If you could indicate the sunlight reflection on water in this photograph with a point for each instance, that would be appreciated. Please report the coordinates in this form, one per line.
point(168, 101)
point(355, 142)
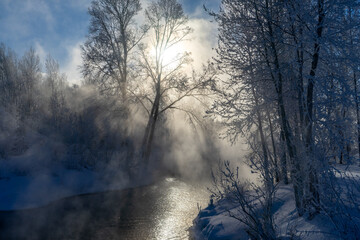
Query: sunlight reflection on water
point(178, 207)
point(161, 211)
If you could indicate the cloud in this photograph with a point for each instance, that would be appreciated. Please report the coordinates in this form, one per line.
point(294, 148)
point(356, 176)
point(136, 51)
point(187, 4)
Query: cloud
point(79, 3)
point(40, 51)
point(71, 67)
point(40, 7)
point(23, 14)
point(41, 23)
point(203, 40)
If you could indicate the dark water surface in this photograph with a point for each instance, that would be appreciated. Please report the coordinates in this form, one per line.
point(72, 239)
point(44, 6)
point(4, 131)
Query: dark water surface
point(160, 211)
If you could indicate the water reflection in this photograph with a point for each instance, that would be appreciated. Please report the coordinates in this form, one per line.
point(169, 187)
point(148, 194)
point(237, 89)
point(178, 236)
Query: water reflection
point(180, 202)
point(161, 211)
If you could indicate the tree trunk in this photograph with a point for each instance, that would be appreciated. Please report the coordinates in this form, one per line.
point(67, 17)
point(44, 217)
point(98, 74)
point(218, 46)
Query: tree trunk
point(314, 198)
point(277, 175)
point(296, 172)
point(285, 126)
point(283, 159)
point(267, 175)
point(150, 128)
point(357, 111)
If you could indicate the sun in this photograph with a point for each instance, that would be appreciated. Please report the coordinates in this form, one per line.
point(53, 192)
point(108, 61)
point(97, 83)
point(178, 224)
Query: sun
point(170, 57)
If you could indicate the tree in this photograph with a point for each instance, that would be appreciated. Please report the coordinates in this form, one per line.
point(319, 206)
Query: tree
point(113, 36)
point(55, 83)
point(248, 53)
point(169, 85)
point(9, 88)
point(28, 81)
point(289, 42)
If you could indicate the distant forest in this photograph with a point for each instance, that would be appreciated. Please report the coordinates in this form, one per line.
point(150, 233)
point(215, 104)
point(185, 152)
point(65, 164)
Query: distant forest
point(121, 114)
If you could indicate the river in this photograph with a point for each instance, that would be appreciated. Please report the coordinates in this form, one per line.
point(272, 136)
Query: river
point(164, 210)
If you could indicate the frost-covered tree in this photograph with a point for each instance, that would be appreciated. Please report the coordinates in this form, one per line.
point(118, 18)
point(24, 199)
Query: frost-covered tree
point(28, 82)
point(8, 77)
point(55, 83)
point(108, 51)
point(289, 52)
point(167, 85)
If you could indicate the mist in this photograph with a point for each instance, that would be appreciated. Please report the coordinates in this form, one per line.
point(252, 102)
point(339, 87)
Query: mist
point(100, 147)
point(175, 119)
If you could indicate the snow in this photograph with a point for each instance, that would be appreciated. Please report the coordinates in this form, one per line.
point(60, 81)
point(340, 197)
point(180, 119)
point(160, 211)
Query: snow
point(39, 189)
point(214, 221)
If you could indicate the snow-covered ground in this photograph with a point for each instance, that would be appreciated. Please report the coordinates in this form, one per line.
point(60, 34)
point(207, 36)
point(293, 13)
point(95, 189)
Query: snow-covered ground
point(215, 222)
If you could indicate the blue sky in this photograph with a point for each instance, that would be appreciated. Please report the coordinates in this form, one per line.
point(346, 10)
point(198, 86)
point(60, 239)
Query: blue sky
point(58, 27)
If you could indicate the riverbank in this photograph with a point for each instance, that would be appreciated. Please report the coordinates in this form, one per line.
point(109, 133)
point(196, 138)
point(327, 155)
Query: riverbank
point(215, 222)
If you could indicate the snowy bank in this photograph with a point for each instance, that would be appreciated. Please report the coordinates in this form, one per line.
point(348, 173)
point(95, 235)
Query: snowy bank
point(217, 221)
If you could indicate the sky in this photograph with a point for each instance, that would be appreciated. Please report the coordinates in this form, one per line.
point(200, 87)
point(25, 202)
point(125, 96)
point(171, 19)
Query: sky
point(59, 27)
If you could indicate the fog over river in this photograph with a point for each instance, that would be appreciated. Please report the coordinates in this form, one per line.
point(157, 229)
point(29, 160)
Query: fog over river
point(163, 210)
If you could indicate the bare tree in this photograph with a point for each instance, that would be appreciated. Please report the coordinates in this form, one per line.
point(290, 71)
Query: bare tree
point(28, 81)
point(113, 36)
point(55, 83)
point(8, 77)
point(169, 85)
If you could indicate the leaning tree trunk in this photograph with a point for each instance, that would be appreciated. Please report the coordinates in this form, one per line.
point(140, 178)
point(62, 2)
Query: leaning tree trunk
point(150, 128)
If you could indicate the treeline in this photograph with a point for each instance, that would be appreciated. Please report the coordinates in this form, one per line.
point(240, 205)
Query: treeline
point(292, 92)
point(45, 122)
point(142, 64)
point(136, 81)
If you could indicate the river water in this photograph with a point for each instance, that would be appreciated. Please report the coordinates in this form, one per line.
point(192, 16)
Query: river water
point(164, 210)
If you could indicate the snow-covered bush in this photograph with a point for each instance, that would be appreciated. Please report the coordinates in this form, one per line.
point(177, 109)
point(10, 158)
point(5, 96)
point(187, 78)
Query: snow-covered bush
point(341, 190)
point(255, 203)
